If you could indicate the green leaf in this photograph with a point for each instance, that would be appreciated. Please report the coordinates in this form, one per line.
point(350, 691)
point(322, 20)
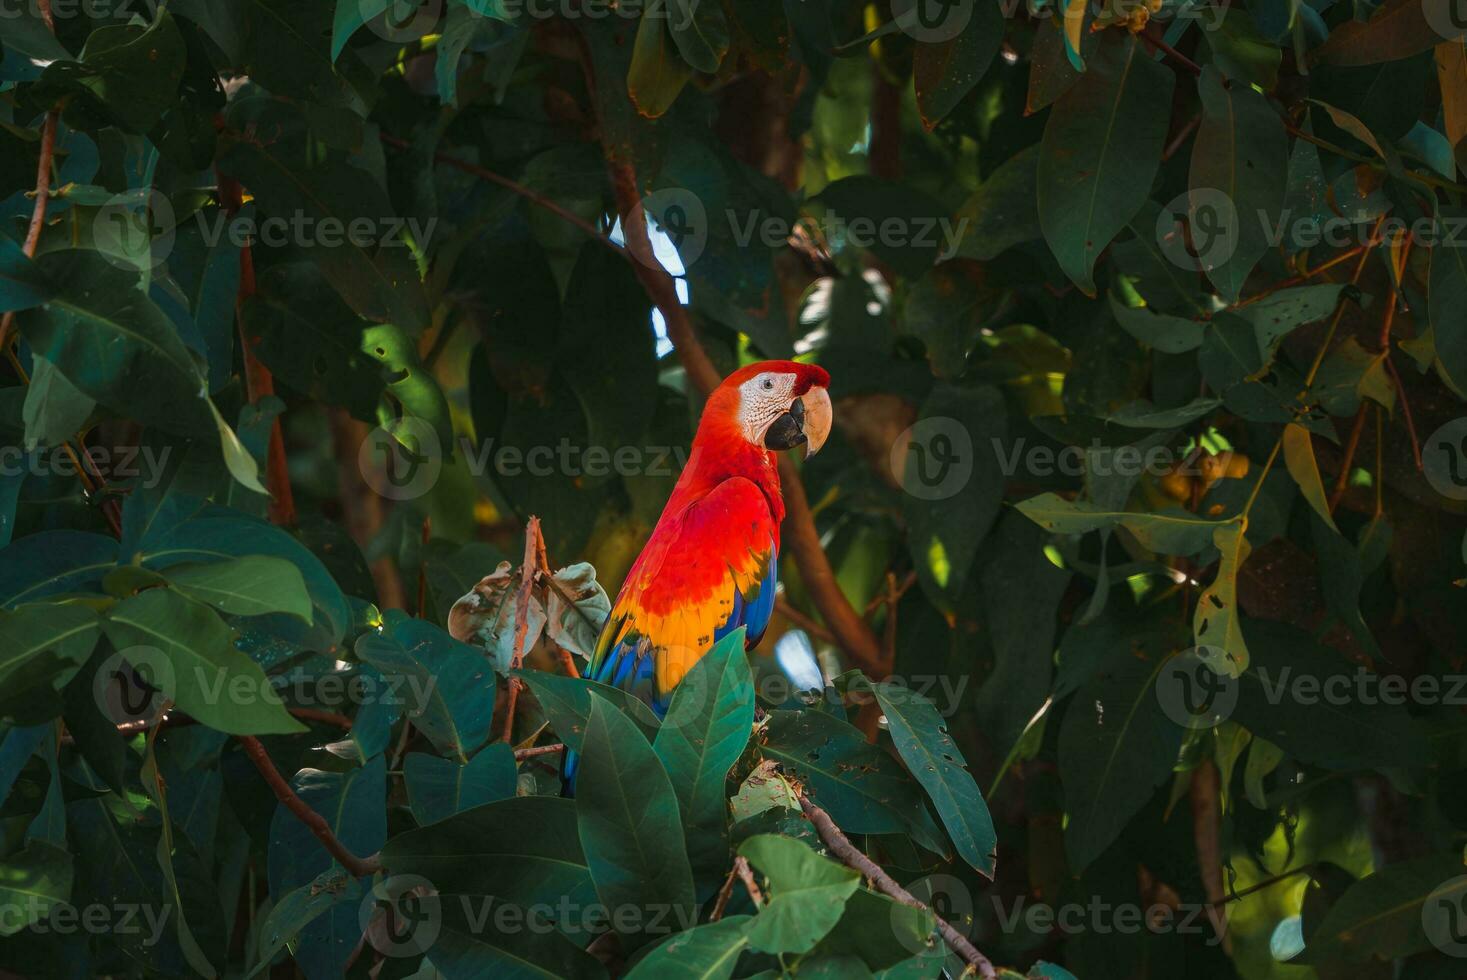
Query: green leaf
point(298, 908)
point(1304, 468)
point(954, 484)
point(250, 586)
point(706, 952)
point(1274, 316)
point(40, 565)
point(1242, 152)
point(1001, 213)
point(33, 881)
point(129, 72)
point(54, 411)
point(1446, 299)
point(658, 73)
point(567, 701)
point(21, 283)
point(194, 662)
point(354, 806)
point(41, 647)
point(862, 787)
point(943, 72)
point(1243, 52)
point(1115, 747)
point(447, 686)
point(1398, 29)
point(921, 737)
point(627, 817)
point(1217, 619)
point(374, 274)
point(1171, 532)
point(702, 735)
point(699, 30)
point(485, 850)
point(115, 345)
point(1169, 334)
point(884, 933)
point(807, 894)
point(152, 782)
point(438, 788)
point(351, 16)
point(1386, 916)
point(1101, 149)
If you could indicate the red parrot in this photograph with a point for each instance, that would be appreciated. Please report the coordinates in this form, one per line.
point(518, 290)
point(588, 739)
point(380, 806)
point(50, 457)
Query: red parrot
point(711, 564)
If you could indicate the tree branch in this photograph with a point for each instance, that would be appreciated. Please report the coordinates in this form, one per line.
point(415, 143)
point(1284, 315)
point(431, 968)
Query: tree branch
point(259, 382)
point(533, 547)
point(357, 867)
point(841, 846)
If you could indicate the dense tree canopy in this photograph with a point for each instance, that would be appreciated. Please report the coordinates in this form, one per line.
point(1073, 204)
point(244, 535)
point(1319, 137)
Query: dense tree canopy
point(352, 347)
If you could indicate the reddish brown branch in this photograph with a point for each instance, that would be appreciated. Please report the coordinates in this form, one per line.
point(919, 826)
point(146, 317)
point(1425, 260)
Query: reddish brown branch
point(259, 382)
point(839, 845)
point(38, 213)
point(533, 548)
point(522, 754)
point(1171, 52)
point(1351, 444)
point(357, 867)
point(1207, 838)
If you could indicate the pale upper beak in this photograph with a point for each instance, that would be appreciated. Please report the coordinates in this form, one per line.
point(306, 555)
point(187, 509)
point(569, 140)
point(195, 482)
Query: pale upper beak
point(818, 418)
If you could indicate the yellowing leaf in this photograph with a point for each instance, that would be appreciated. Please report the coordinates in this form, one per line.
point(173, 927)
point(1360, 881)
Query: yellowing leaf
point(1304, 468)
point(1216, 622)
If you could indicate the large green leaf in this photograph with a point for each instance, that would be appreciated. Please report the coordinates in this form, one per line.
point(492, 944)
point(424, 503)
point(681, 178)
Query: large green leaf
point(1242, 152)
point(1115, 747)
point(115, 345)
point(943, 72)
point(44, 564)
point(190, 653)
point(934, 760)
point(253, 585)
point(707, 952)
point(702, 735)
point(485, 850)
point(33, 881)
point(1101, 149)
point(41, 647)
point(354, 806)
point(807, 894)
point(438, 788)
point(627, 816)
point(1401, 909)
point(567, 702)
point(863, 788)
point(447, 686)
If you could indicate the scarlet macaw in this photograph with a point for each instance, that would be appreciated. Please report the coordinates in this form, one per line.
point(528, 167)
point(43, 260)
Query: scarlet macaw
point(711, 564)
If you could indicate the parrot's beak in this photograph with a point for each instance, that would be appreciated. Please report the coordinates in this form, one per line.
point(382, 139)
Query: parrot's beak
point(818, 417)
point(807, 423)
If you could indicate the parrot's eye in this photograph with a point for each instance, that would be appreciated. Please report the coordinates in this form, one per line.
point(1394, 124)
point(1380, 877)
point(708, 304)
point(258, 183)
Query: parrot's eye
point(768, 385)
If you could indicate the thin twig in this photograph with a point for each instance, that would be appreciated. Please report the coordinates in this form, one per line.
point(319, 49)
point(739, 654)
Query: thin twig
point(1171, 52)
point(1351, 444)
point(840, 845)
point(522, 619)
point(357, 867)
point(537, 750)
point(1207, 839)
point(746, 875)
point(724, 894)
point(1406, 412)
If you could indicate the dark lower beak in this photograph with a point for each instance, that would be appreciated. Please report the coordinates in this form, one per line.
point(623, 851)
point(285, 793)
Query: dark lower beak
point(788, 431)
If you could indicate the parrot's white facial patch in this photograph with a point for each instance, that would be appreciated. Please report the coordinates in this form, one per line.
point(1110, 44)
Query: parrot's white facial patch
point(762, 399)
